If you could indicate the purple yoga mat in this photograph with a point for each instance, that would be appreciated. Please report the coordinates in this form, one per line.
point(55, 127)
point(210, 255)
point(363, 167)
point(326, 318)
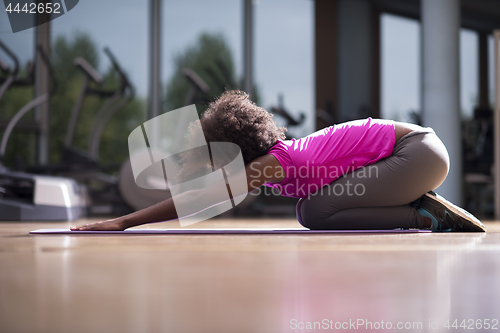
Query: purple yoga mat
point(298, 231)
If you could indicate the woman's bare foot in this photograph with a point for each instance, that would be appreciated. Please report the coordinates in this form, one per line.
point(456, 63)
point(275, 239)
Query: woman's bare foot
point(108, 225)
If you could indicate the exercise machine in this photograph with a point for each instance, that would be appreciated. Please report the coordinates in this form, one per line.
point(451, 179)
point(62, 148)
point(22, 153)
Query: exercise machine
point(100, 188)
point(291, 121)
point(25, 196)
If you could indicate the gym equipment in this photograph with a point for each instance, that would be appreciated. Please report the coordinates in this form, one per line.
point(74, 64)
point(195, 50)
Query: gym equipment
point(114, 195)
point(12, 74)
point(196, 85)
point(25, 196)
point(280, 110)
point(74, 159)
point(226, 231)
point(102, 191)
point(290, 121)
point(3, 67)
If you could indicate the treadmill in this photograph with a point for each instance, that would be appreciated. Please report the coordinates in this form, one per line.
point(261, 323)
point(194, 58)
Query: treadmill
point(31, 197)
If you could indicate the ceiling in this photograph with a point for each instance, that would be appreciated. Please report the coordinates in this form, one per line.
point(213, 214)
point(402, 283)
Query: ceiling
point(476, 14)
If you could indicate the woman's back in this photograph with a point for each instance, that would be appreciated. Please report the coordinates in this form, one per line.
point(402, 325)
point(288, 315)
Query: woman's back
point(318, 159)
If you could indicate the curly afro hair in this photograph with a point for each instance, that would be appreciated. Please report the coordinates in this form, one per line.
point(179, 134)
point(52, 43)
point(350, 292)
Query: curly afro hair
point(234, 118)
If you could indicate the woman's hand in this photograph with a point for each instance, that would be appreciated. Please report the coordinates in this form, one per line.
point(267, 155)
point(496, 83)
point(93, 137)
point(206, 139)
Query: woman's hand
point(117, 224)
point(162, 211)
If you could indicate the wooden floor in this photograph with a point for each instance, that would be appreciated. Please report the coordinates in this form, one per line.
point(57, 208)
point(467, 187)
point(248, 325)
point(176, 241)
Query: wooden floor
point(246, 283)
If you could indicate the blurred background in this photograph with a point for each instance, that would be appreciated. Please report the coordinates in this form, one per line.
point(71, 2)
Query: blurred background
point(311, 63)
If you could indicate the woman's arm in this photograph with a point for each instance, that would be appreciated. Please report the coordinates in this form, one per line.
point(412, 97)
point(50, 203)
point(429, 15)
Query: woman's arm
point(262, 170)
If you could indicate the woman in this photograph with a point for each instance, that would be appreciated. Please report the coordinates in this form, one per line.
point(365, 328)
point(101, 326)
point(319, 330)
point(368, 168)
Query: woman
point(363, 174)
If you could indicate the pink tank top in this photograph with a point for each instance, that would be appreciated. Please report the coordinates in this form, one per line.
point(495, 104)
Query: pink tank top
point(326, 155)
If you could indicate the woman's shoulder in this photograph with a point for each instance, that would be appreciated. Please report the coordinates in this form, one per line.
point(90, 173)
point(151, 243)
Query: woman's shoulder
point(265, 169)
point(281, 145)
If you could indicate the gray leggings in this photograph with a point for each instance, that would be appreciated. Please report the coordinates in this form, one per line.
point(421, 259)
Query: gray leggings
point(379, 196)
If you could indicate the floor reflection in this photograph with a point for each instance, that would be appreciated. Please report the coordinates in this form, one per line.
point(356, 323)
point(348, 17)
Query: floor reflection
point(255, 283)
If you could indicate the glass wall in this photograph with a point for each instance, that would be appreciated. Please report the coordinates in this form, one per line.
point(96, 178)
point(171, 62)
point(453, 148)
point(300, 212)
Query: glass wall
point(206, 37)
point(400, 68)
point(469, 91)
point(20, 43)
point(284, 58)
point(21, 143)
point(282, 52)
point(85, 31)
point(120, 25)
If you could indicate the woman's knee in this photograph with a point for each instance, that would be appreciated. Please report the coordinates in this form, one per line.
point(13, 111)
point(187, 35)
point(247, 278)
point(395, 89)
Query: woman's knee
point(438, 160)
point(427, 159)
